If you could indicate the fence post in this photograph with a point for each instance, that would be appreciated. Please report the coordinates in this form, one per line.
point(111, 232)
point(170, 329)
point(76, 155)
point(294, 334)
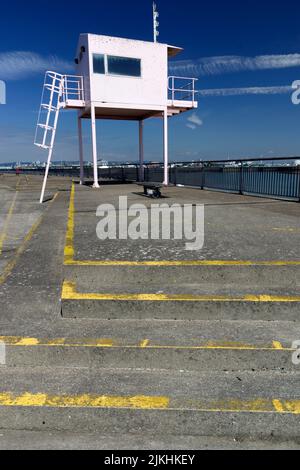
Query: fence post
point(241, 178)
point(175, 175)
point(298, 171)
point(203, 177)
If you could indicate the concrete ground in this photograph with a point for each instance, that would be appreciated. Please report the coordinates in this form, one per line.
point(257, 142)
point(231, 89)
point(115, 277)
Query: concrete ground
point(140, 343)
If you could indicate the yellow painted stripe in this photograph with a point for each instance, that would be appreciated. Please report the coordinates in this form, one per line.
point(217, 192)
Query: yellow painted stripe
point(11, 264)
point(18, 181)
point(72, 262)
point(138, 402)
point(69, 245)
point(258, 405)
point(69, 293)
point(145, 343)
point(3, 235)
point(80, 401)
point(278, 406)
point(277, 345)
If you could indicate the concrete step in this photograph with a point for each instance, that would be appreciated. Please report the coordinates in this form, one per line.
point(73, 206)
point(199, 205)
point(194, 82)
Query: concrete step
point(62, 440)
point(209, 279)
point(177, 304)
point(252, 405)
point(181, 292)
point(173, 345)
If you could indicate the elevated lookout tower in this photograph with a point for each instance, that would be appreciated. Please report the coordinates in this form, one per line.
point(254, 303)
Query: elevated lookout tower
point(119, 79)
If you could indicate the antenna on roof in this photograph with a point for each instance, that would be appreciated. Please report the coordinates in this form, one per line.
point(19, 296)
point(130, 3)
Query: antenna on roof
point(155, 22)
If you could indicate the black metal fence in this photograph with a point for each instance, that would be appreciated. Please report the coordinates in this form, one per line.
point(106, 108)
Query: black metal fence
point(268, 177)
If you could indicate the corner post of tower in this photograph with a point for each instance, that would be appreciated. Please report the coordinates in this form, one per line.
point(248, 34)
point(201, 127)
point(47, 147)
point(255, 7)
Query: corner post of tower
point(80, 150)
point(166, 148)
point(94, 146)
point(141, 149)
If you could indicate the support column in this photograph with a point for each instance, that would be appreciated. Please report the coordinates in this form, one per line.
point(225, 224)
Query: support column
point(80, 150)
point(141, 149)
point(94, 147)
point(166, 149)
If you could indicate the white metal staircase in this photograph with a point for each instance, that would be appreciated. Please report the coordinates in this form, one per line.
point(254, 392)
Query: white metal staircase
point(59, 92)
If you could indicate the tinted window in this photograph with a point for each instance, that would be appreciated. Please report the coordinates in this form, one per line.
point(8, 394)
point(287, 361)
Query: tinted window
point(124, 66)
point(98, 63)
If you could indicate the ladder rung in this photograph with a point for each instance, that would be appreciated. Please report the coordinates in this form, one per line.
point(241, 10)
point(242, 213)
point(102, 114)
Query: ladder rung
point(48, 106)
point(42, 146)
point(44, 126)
point(50, 87)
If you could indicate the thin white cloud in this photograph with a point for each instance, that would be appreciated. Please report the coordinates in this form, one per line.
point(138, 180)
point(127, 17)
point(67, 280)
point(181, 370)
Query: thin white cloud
point(194, 119)
point(275, 90)
point(232, 64)
point(18, 65)
point(191, 126)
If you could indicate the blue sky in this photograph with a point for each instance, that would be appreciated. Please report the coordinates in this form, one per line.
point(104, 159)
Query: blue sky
point(253, 45)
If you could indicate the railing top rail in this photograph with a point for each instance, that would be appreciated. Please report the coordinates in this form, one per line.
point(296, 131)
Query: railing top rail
point(256, 159)
point(61, 75)
point(73, 76)
point(238, 160)
point(184, 78)
point(188, 87)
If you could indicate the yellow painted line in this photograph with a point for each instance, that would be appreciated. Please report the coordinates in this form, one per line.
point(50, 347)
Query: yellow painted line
point(69, 245)
point(69, 253)
point(259, 405)
point(11, 264)
point(3, 235)
point(69, 293)
point(144, 344)
point(19, 182)
point(81, 401)
point(278, 406)
point(277, 345)
point(144, 402)
point(72, 262)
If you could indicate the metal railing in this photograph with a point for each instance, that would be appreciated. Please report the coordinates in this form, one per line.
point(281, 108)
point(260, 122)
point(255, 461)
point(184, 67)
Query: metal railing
point(58, 91)
point(181, 88)
point(73, 88)
point(72, 85)
point(270, 177)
